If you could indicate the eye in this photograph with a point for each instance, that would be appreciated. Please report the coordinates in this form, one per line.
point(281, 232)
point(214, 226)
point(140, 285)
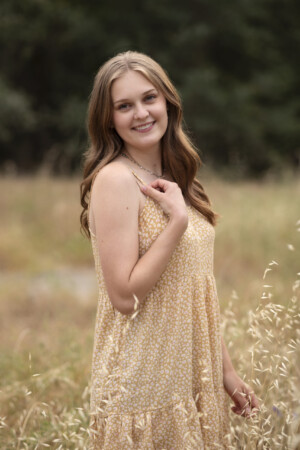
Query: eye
point(123, 106)
point(150, 97)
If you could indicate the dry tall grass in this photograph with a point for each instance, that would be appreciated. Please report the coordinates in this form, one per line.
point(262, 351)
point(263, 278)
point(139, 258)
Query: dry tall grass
point(46, 331)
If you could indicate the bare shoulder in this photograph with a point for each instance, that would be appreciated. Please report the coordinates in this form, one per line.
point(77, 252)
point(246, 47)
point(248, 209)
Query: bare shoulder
point(114, 173)
point(115, 185)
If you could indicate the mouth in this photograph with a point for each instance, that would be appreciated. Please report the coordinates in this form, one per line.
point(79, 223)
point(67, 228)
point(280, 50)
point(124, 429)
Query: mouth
point(145, 127)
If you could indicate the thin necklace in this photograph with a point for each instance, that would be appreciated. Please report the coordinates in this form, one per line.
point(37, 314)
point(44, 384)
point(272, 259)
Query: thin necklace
point(141, 167)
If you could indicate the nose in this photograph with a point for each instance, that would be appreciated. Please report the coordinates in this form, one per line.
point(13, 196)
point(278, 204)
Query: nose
point(140, 112)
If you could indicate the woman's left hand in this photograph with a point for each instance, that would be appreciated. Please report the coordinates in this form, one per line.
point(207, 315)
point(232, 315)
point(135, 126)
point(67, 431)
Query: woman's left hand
point(246, 403)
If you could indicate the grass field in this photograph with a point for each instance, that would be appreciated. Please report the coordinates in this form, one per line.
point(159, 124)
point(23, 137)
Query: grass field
point(48, 304)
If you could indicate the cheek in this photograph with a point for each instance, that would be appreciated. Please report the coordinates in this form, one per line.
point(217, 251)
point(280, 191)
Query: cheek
point(161, 110)
point(120, 120)
point(163, 114)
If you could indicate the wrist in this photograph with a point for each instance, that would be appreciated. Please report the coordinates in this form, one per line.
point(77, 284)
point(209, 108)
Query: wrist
point(180, 221)
point(227, 364)
point(229, 371)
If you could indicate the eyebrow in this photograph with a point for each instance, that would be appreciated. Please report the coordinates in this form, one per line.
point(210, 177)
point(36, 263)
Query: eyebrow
point(126, 99)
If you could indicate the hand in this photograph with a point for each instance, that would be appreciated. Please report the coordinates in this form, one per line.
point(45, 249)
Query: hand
point(168, 194)
point(245, 405)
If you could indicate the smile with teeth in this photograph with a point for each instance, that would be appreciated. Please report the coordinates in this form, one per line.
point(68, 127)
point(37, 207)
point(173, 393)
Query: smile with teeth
point(144, 127)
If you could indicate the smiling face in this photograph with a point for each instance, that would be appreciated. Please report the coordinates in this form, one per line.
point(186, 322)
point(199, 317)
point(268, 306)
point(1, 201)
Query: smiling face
point(139, 111)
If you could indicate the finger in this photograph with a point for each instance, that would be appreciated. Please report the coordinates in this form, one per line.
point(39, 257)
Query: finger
point(241, 402)
point(243, 405)
point(239, 412)
point(254, 401)
point(244, 412)
point(236, 410)
point(159, 183)
point(153, 193)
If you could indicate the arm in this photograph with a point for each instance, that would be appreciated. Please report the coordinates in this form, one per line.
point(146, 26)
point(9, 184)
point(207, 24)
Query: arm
point(115, 206)
point(241, 393)
point(227, 364)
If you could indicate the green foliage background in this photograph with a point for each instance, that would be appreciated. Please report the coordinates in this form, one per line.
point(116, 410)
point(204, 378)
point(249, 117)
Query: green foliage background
point(234, 62)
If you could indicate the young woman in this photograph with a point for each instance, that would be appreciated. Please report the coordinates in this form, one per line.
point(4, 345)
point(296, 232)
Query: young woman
point(160, 369)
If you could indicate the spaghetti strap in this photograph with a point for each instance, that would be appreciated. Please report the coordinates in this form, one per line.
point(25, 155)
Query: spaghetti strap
point(89, 202)
point(140, 179)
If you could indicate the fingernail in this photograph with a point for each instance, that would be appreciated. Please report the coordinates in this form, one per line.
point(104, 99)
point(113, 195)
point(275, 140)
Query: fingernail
point(144, 188)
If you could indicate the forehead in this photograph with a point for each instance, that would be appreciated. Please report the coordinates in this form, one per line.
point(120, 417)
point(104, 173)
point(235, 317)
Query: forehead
point(130, 84)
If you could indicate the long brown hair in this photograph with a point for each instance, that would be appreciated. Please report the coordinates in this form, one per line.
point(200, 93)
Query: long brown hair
point(180, 157)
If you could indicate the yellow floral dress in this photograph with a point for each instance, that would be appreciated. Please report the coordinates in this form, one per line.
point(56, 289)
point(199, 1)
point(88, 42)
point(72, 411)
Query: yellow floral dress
point(157, 374)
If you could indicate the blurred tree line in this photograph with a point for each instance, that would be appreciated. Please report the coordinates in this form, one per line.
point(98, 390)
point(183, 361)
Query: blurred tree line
point(234, 63)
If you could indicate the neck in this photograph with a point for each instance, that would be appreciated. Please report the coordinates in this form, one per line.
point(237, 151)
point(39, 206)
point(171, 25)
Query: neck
point(151, 160)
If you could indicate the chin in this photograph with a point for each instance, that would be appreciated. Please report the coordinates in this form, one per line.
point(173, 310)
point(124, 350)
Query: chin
point(144, 143)
point(147, 145)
